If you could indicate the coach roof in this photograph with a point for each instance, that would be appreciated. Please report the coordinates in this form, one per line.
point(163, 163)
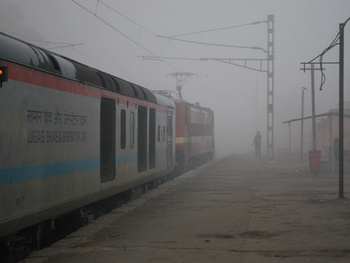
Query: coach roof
point(20, 52)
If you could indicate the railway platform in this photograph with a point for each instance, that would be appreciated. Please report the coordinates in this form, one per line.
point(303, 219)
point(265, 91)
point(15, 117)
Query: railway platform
point(235, 209)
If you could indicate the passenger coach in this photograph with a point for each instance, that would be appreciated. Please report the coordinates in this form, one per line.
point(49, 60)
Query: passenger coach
point(71, 135)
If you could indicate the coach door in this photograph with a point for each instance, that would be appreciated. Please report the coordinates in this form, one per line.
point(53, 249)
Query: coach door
point(107, 140)
point(142, 139)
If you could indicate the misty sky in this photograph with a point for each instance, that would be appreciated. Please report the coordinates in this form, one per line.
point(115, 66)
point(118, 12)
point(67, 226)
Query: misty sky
point(112, 35)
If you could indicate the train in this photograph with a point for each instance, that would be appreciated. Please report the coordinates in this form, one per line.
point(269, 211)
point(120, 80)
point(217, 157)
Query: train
point(195, 143)
point(71, 135)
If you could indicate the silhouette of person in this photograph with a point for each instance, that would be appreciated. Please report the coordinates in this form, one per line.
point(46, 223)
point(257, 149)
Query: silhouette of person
point(257, 143)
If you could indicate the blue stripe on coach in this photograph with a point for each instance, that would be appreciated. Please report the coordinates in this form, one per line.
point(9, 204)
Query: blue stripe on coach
point(30, 173)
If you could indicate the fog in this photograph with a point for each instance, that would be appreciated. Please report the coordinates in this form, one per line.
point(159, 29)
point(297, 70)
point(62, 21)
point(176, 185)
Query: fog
point(116, 35)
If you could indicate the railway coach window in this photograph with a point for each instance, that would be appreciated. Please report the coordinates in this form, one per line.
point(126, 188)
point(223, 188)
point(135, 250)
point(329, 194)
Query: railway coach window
point(122, 129)
point(152, 138)
point(132, 129)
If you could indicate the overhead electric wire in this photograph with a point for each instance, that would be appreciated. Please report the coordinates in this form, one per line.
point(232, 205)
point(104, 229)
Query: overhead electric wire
point(320, 56)
point(188, 41)
point(216, 29)
point(210, 44)
point(120, 32)
point(64, 46)
point(111, 26)
point(127, 18)
point(30, 39)
point(137, 24)
point(171, 38)
point(175, 37)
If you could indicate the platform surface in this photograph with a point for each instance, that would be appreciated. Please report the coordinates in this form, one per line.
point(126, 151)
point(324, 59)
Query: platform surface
point(236, 209)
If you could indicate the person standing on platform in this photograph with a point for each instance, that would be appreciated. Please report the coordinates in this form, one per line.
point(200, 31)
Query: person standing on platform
point(257, 143)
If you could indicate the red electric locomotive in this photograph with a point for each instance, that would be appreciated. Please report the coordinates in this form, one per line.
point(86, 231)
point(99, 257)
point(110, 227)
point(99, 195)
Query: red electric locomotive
point(195, 142)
